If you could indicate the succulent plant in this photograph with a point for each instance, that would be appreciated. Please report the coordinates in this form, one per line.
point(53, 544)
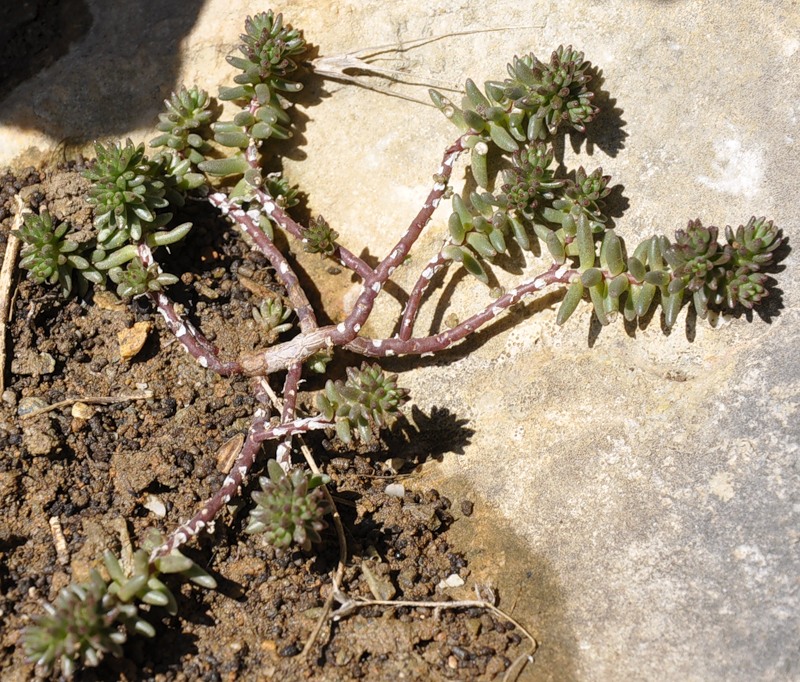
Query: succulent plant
point(48, 253)
point(580, 199)
point(753, 245)
point(588, 190)
point(272, 314)
point(81, 626)
point(696, 257)
point(513, 123)
point(174, 563)
point(284, 194)
point(289, 507)
point(518, 116)
point(752, 249)
point(136, 279)
point(554, 93)
point(88, 621)
point(143, 582)
point(183, 123)
point(746, 288)
point(530, 105)
point(320, 237)
point(530, 180)
point(269, 48)
point(127, 193)
point(128, 190)
point(179, 176)
point(723, 274)
point(368, 398)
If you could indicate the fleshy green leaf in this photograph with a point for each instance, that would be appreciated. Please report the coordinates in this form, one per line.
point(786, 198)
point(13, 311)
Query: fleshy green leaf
point(570, 302)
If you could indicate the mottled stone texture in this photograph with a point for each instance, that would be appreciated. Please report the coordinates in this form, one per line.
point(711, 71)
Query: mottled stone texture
point(636, 494)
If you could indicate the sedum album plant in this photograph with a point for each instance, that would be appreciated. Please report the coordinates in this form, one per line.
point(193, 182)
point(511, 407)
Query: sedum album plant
point(92, 619)
point(290, 507)
point(507, 129)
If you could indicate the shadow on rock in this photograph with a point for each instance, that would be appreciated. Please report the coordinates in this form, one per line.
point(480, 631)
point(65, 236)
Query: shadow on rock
point(85, 69)
point(527, 587)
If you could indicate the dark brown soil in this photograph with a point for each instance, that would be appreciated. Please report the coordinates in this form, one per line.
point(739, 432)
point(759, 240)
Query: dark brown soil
point(93, 469)
point(34, 34)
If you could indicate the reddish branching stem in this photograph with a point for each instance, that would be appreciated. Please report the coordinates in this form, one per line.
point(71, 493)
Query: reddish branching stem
point(411, 310)
point(259, 432)
point(290, 355)
point(281, 218)
point(249, 224)
point(197, 345)
point(557, 274)
point(191, 339)
point(303, 346)
point(211, 507)
point(374, 283)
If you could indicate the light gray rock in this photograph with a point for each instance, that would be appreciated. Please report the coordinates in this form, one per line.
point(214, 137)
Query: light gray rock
point(636, 496)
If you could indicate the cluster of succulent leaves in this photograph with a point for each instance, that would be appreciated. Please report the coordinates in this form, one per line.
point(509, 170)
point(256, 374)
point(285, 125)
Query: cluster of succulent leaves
point(134, 196)
point(185, 124)
point(48, 253)
point(533, 103)
point(515, 121)
point(720, 276)
point(87, 621)
point(320, 237)
point(269, 50)
point(368, 399)
point(289, 507)
point(272, 314)
point(130, 194)
point(728, 274)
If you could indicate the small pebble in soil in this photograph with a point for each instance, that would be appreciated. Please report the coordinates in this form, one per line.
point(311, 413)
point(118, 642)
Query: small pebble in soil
point(28, 405)
point(452, 580)
point(461, 654)
point(290, 650)
point(395, 490)
point(132, 340)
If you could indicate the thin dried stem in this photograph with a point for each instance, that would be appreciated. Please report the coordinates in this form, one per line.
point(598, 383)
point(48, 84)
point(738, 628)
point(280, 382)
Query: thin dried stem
point(13, 246)
point(342, 539)
point(349, 605)
point(343, 67)
point(89, 400)
point(283, 454)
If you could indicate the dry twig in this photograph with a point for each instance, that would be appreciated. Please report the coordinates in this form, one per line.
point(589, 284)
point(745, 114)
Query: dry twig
point(93, 400)
point(349, 605)
point(6, 278)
